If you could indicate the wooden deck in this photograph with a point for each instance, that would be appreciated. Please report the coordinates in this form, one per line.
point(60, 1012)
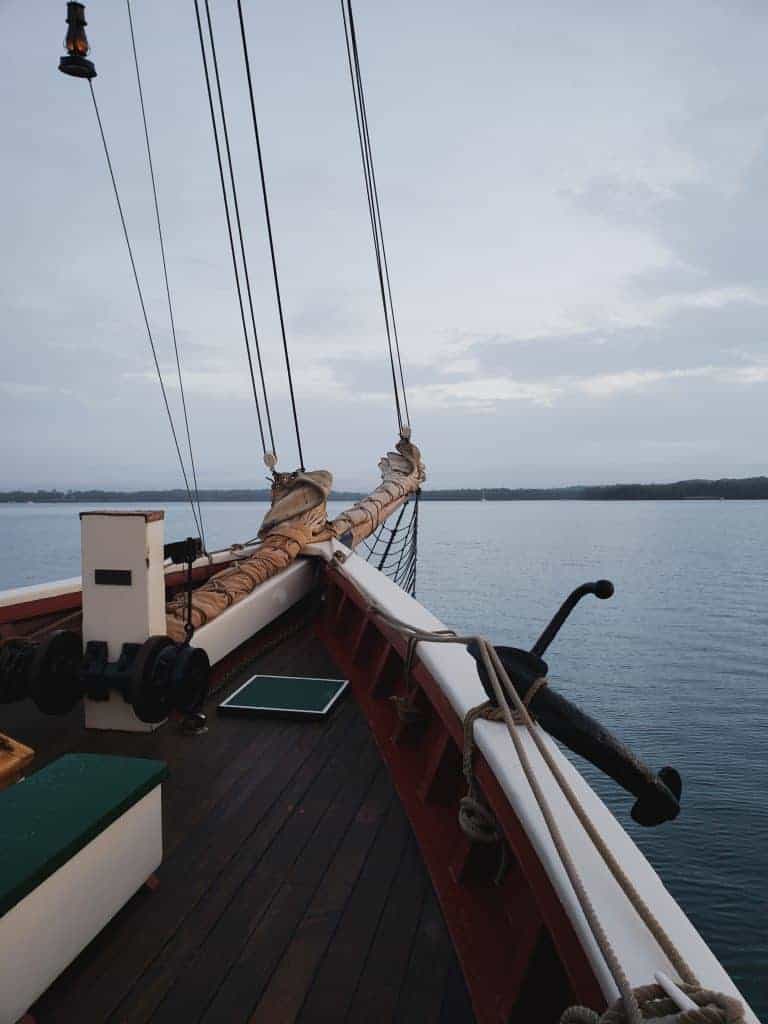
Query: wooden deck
point(292, 888)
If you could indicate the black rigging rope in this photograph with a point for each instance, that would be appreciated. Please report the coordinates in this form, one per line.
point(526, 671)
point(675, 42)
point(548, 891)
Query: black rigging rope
point(374, 210)
point(165, 274)
point(394, 549)
point(143, 306)
point(269, 230)
point(229, 222)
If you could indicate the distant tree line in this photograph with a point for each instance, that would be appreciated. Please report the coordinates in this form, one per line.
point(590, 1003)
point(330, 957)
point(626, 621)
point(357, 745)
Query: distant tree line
point(132, 497)
point(748, 488)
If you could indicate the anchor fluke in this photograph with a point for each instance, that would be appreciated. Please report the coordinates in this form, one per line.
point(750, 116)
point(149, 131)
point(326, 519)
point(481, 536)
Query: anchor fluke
point(658, 794)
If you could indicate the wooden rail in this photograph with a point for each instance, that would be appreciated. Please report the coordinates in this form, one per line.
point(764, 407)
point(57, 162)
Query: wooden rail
point(519, 952)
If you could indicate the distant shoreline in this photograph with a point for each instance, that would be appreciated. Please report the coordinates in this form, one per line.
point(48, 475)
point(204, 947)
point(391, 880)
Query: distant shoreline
point(747, 488)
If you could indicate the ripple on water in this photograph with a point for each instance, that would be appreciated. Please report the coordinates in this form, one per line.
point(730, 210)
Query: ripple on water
point(676, 663)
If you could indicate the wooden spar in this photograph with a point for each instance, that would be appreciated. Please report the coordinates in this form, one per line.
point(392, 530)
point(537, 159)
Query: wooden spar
point(296, 519)
point(402, 474)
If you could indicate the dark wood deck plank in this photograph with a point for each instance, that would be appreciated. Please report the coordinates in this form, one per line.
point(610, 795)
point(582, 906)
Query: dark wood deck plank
point(198, 983)
point(421, 994)
point(377, 992)
point(266, 945)
point(337, 977)
point(146, 925)
point(290, 873)
point(250, 828)
point(290, 982)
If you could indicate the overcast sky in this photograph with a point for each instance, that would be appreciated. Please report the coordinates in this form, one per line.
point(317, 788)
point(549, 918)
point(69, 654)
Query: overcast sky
point(575, 201)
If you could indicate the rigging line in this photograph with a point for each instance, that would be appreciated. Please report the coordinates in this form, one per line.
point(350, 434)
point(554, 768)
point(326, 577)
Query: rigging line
point(371, 212)
point(269, 231)
point(375, 190)
point(228, 217)
point(366, 159)
point(165, 274)
point(236, 206)
point(141, 303)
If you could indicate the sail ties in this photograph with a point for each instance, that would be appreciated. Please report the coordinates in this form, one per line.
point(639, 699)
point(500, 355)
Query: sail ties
point(297, 518)
point(402, 474)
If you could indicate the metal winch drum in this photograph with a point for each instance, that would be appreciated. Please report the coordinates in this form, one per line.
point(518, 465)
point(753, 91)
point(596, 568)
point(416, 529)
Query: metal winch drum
point(156, 678)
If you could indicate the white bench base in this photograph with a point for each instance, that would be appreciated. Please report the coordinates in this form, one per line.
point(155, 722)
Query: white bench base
point(46, 930)
point(115, 713)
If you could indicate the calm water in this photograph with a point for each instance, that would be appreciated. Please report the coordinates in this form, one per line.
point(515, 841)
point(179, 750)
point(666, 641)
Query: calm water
point(676, 663)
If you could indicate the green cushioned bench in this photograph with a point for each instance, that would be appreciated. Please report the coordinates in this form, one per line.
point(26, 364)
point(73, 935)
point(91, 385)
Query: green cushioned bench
point(46, 819)
point(77, 839)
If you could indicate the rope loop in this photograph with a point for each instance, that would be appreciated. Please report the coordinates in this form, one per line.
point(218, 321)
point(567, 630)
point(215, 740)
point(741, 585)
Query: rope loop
point(407, 711)
point(475, 818)
point(477, 822)
point(655, 1005)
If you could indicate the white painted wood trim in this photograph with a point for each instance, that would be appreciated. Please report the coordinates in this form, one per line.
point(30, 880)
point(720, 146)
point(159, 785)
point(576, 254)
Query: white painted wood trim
point(253, 613)
point(46, 930)
point(455, 672)
point(40, 591)
point(73, 585)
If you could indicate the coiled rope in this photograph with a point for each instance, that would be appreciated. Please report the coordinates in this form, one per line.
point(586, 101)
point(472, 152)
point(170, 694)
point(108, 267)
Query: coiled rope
point(655, 1004)
point(512, 709)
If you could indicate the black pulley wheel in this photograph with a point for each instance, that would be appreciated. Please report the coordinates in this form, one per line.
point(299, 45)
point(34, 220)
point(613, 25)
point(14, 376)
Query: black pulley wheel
point(189, 679)
point(54, 673)
point(149, 689)
point(15, 658)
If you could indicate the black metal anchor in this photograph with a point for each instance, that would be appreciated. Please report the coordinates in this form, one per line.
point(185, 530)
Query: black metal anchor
point(658, 795)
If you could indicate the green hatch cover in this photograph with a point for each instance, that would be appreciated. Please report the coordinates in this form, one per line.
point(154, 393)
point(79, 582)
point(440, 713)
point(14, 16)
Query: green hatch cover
point(51, 815)
point(284, 695)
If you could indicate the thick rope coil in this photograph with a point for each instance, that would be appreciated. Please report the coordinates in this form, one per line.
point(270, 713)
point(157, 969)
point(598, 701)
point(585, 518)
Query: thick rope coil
point(407, 710)
point(476, 820)
point(475, 817)
point(655, 1005)
point(508, 699)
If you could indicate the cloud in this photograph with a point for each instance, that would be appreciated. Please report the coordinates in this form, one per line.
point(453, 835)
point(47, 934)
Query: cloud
point(713, 229)
point(579, 271)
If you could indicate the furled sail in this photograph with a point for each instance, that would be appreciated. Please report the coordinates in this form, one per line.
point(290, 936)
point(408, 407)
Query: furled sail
point(402, 474)
point(298, 517)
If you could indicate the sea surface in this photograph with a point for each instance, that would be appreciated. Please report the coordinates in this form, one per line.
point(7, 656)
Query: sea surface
point(676, 662)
